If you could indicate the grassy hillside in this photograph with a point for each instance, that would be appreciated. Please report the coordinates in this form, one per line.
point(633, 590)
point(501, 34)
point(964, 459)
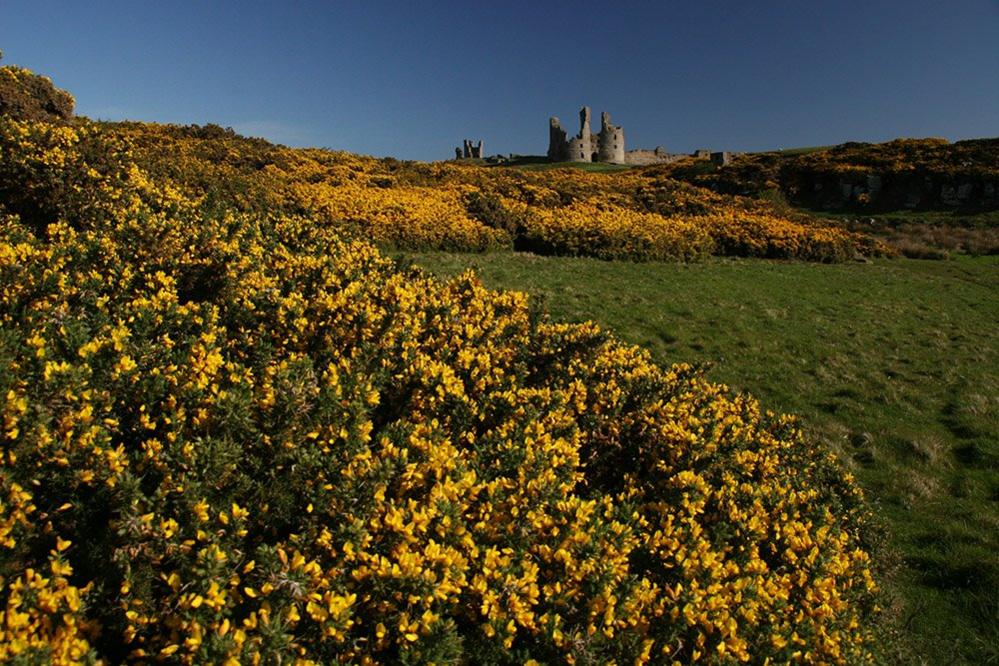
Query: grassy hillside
point(893, 364)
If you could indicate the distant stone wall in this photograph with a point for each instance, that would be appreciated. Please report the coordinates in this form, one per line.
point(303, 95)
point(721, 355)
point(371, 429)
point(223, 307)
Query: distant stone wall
point(608, 146)
point(581, 145)
point(723, 158)
point(641, 157)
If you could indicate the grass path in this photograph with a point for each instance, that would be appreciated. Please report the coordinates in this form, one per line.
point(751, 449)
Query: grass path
point(894, 364)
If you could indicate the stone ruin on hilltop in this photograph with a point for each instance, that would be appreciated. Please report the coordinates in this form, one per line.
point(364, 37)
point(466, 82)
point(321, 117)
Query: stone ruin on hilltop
point(469, 150)
point(608, 145)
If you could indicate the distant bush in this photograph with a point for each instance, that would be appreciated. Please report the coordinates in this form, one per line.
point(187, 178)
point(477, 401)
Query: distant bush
point(937, 241)
point(28, 96)
point(913, 249)
point(612, 232)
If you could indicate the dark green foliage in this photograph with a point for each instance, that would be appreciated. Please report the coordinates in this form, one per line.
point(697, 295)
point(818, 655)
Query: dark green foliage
point(489, 210)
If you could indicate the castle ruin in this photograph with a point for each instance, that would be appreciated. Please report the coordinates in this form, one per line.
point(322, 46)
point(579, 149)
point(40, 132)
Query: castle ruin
point(607, 146)
point(469, 150)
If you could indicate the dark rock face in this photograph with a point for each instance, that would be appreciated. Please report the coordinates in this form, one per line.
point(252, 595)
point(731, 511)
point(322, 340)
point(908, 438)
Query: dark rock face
point(893, 191)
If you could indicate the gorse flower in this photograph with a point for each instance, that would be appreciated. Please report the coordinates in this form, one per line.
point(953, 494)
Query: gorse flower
point(233, 435)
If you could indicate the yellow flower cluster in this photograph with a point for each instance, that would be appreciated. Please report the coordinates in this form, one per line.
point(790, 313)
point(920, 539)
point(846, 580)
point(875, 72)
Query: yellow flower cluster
point(422, 217)
point(616, 232)
point(41, 619)
point(755, 234)
point(235, 437)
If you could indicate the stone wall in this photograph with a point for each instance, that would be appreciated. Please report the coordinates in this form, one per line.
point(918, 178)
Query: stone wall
point(558, 145)
point(723, 158)
point(577, 149)
point(642, 157)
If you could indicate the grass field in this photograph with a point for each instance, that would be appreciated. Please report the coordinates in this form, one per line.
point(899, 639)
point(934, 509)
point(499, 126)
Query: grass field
point(894, 364)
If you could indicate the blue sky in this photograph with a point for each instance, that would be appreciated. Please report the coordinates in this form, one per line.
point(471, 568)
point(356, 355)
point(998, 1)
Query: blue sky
point(412, 79)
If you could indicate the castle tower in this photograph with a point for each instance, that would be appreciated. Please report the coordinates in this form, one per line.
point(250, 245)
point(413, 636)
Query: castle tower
point(610, 143)
point(469, 150)
point(581, 146)
point(558, 146)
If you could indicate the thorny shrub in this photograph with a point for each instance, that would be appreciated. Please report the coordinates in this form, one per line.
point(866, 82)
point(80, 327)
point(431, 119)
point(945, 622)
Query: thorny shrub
point(234, 436)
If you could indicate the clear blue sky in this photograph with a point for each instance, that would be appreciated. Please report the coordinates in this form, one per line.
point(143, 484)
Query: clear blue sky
point(412, 79)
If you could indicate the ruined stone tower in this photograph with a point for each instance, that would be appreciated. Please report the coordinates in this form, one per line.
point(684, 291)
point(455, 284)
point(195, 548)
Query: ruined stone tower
point(558, 147)
point(581, 145)
point(608, 146)
point(468, 150)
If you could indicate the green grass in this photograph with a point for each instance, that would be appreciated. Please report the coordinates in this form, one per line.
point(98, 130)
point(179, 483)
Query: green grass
point(892, 364)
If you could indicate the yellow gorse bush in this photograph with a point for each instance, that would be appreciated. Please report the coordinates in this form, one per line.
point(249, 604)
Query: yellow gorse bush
point(615, 232)
point(232, 436)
